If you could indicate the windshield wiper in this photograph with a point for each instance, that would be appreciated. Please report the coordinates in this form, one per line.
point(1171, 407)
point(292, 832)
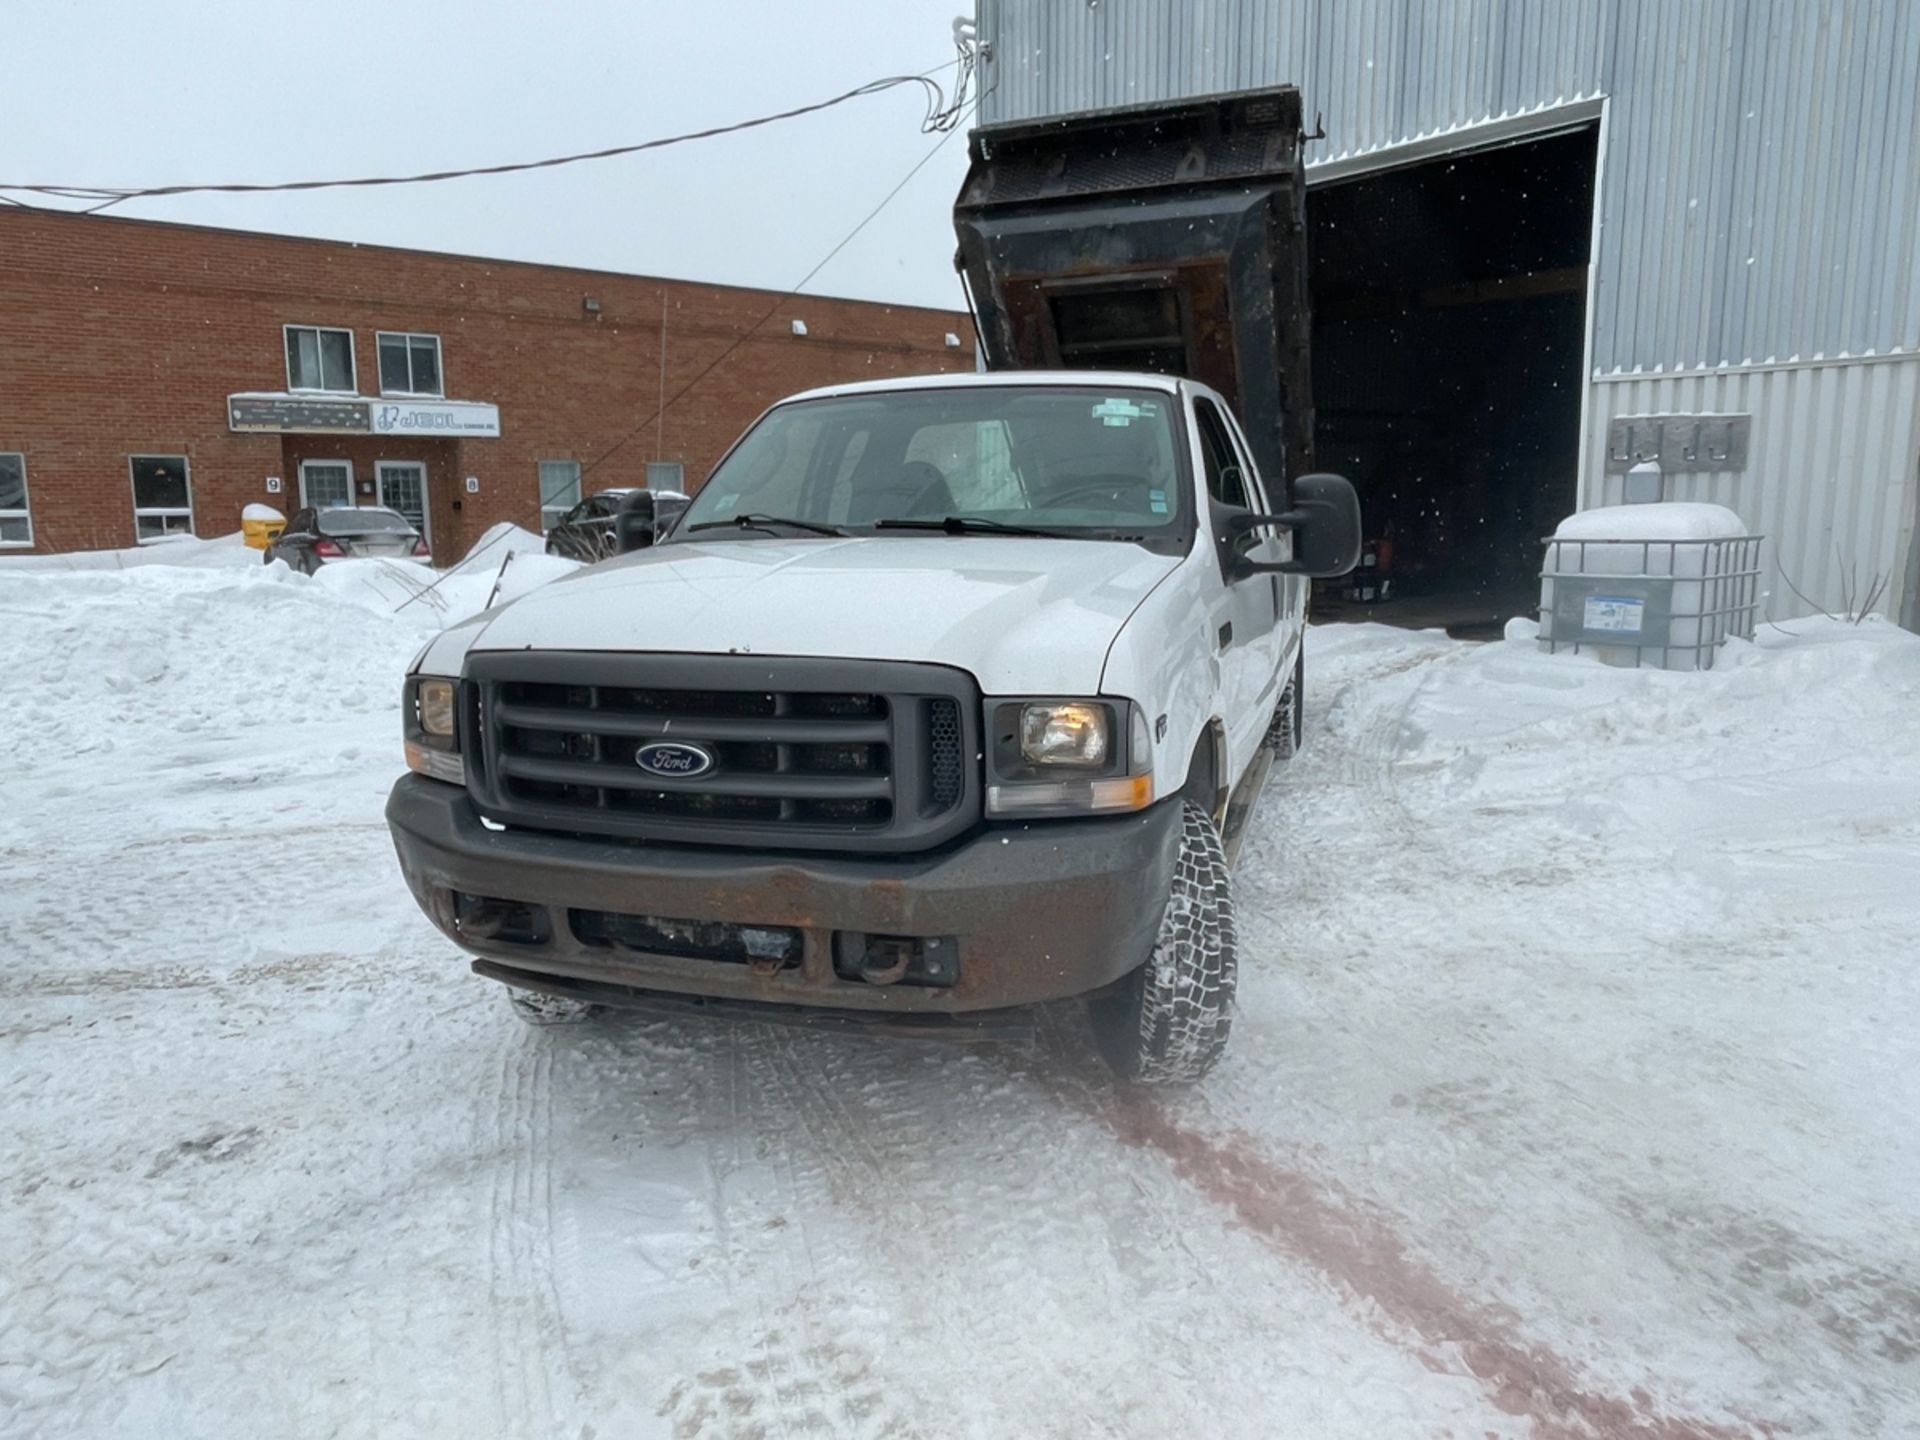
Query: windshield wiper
point(765, 522)
point(974, 525)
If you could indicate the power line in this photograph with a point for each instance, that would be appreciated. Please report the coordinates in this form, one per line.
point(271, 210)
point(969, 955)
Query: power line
point(733, 345)
point(942, 115)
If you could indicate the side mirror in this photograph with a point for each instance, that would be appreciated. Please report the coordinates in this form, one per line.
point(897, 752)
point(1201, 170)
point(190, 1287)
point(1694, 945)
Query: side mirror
point(668, 506)
point(1325, 521)
point(633, 523)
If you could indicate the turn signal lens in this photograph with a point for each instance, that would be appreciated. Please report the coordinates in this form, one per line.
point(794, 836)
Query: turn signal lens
point(436, 764)
point(1069, 733)
point(1071, 797)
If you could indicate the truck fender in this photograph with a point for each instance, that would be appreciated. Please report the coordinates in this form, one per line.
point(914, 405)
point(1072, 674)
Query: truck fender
point(1164, 661)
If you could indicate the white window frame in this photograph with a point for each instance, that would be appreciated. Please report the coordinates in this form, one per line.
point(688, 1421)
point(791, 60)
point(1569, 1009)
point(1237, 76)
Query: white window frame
point(306, 503)
point(439, 361)
point(159, 511)
point(25, 512)
point(551, 515)
point(353, 361)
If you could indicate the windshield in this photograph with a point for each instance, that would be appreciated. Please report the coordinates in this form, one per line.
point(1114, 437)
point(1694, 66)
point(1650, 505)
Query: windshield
point(364, 520)
point(1093, 464)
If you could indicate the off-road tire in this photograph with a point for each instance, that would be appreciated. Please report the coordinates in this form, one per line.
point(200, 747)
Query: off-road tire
point(536, 1007)
point(1285, 732)
point(1167, 1023)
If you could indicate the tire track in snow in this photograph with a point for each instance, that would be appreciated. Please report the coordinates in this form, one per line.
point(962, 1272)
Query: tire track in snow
point(1313, 1221)
point(531, 1377)
point(803, 1370)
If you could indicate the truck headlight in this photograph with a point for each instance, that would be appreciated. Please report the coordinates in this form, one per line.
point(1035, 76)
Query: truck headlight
point(1069, 732)
point(435, 701)
point(1067, 757)
point(430, 711)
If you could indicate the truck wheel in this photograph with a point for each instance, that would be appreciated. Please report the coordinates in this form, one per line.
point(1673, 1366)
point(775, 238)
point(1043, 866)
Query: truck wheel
point(1167, 1022)
point(536, 1007)
point(1285, 733)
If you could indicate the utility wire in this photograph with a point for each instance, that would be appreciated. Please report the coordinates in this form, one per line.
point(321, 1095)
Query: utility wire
point(942, 115)
point(733, 345)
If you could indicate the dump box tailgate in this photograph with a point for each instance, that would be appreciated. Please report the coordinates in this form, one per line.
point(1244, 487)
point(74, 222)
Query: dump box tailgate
point(1168, 238)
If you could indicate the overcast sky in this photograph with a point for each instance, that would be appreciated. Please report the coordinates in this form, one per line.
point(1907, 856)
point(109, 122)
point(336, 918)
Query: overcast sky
point(145, 92)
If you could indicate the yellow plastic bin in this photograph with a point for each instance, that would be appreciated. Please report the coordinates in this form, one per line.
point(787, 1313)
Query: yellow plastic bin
point(261, 525)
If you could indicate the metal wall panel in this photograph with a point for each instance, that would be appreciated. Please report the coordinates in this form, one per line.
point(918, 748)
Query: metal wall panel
point(1832, 465)
point(1759, 203)
point(1761, 194)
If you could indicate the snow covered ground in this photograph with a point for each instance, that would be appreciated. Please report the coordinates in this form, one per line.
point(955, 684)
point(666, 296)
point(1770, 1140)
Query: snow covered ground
point(1572, 1092)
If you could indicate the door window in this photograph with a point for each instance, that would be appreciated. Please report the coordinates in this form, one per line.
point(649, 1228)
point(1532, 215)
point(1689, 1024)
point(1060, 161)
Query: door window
point(1226, 481)
point(326, 483)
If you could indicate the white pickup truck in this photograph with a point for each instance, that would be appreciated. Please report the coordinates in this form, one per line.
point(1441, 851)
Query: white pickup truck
point(944, 695)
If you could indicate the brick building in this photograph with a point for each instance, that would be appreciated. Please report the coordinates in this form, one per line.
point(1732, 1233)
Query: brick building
point(156, 378)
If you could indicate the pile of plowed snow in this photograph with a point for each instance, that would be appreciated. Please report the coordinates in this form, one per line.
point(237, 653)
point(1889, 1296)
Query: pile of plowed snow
point(200, 635)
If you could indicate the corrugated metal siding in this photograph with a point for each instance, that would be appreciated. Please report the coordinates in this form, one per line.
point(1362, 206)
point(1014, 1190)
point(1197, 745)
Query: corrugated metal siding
point(1759, 203)
point(1761, 193)
point(1832, 465)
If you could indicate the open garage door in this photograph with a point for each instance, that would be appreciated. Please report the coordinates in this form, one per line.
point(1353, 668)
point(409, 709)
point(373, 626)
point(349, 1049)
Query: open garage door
point(1449, 321)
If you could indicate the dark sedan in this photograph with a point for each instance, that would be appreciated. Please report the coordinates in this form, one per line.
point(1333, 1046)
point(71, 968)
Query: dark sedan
point(313, 537)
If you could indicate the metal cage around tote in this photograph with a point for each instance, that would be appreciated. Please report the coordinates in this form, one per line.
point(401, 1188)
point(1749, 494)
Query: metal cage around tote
point(1664, 603)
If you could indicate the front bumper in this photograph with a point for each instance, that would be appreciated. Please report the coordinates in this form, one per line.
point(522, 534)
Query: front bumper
point(1038, 912)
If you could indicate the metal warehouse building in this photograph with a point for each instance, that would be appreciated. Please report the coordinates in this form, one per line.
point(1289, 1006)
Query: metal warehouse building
point(1554, 237)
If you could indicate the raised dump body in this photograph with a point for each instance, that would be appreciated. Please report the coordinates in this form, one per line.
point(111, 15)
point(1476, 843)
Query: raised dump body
point(1168, 238)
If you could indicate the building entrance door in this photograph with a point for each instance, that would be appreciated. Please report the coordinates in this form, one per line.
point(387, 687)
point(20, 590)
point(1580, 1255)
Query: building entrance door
point(403, 487)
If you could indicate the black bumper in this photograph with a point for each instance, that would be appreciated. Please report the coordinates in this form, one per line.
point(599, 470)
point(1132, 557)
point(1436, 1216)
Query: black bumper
point(1039, 912)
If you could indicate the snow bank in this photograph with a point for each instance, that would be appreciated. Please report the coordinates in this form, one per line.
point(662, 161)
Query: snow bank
point(1797, 679)
point(223, 552)
point(113, 649)
point(107, 661)
point(504, 564)
point(496, 543)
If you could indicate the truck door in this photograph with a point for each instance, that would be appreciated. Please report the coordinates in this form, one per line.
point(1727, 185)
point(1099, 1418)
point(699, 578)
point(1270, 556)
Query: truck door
point(1245, 611)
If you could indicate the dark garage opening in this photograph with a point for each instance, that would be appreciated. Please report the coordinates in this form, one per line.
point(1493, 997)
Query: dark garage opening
point(1449, 316)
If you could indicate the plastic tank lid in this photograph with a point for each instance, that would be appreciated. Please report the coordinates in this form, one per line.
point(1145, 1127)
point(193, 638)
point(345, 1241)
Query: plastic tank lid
point(1667, 520)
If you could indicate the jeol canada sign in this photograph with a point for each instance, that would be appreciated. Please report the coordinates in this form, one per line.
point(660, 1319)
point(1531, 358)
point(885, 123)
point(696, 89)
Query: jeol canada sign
point(361, 415)
point(434, 417)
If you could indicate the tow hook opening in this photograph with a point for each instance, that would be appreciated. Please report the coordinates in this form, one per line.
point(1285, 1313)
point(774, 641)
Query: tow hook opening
point(896, 959)
point(513, 922)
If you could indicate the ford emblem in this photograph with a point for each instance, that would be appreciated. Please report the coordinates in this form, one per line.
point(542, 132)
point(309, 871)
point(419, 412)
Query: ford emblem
point(673, 759)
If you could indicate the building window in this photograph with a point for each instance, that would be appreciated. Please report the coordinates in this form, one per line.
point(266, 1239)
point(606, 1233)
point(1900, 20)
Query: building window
point(559, 490)
point(409, 364)
point(325, 484)
point(319, 358)
point(162, 496)
point(16, 525)
point(666, 475)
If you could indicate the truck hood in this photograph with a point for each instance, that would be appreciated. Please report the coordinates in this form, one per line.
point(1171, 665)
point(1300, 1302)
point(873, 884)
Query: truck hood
point(1023, 615)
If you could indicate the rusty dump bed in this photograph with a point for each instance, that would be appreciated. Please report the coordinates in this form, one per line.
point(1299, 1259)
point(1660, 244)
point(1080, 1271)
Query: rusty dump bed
point(1169, 238)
